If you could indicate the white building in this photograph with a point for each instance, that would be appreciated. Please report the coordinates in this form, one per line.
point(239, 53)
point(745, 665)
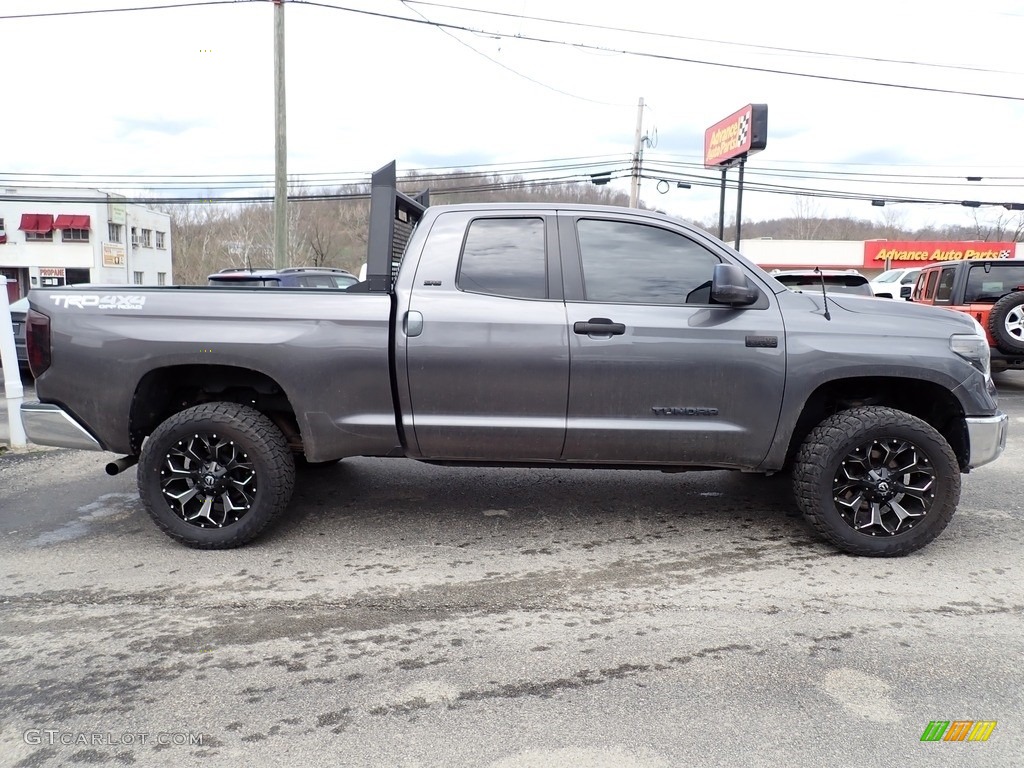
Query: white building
point(52, 237)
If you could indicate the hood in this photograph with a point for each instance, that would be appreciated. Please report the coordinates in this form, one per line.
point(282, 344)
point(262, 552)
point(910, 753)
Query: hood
point(895, 308)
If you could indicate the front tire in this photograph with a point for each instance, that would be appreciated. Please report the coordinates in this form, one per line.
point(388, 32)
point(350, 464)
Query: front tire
point(213, 476)
point(876, 481)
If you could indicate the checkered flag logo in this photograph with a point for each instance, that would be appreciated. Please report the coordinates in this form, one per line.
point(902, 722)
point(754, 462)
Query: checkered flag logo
point(1004, 254)
point(744, 130)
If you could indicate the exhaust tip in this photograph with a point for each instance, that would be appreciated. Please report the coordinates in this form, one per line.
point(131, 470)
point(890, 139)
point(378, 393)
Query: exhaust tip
point(118, 466)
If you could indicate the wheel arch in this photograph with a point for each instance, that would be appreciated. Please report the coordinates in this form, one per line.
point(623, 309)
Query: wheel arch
point(163, 392)
point(927, 400)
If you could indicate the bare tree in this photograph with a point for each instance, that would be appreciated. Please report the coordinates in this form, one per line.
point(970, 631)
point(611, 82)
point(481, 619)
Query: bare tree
point(196, 235)
point(893, 222)
point(807, 216)
point(1004, 228)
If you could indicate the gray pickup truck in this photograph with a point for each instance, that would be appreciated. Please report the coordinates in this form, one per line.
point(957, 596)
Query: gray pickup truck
point(521, 335)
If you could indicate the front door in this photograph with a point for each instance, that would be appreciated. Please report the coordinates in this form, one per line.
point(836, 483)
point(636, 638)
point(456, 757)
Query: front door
point(658, 373)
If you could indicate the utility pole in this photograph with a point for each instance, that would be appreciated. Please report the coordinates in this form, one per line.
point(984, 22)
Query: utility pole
point(634, 194)
point(280, 145)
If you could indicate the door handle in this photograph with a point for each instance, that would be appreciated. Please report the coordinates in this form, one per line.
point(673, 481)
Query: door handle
point(599, 326)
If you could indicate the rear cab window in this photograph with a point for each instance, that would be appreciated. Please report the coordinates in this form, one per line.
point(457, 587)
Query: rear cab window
point(505, 257)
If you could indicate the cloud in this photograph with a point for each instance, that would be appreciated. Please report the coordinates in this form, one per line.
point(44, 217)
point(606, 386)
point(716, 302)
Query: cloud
point(128, 127)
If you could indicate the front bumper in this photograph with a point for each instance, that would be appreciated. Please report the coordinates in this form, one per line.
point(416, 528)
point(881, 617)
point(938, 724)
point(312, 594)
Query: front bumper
point(987, 436)
point(47, 424)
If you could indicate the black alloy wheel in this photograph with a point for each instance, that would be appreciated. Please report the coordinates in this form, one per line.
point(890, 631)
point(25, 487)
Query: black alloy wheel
point(208, 480)
point(884, 487)
point(213, 476)
point(876, 481)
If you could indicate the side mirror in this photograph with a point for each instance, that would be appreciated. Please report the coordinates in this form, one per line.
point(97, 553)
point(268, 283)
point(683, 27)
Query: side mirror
point(729, 285)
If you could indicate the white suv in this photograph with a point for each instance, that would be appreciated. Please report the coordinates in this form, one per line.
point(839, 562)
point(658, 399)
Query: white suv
point(895, 283)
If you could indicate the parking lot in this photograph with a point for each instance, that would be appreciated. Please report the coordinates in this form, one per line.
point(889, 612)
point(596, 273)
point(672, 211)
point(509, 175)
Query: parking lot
point(410, 615)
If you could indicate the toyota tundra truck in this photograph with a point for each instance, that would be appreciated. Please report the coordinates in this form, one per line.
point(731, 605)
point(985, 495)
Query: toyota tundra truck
point(521, 335)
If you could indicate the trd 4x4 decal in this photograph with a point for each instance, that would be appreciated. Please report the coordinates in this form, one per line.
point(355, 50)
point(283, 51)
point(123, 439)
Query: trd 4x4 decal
point(112, 301)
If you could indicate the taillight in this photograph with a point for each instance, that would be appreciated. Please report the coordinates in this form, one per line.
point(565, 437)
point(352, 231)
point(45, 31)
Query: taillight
point(37, 338)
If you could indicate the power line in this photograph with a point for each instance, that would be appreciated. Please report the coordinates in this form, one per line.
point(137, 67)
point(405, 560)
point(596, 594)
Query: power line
point(515, 72)
point(831, 194)
point(665, 56)
point(500, 186)
point(92, 11)
point(508, 166)
point(862, 178)
point(699, 158)
point(671, 36)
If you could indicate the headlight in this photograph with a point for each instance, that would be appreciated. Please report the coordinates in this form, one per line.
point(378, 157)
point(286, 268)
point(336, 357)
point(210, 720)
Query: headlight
point(974, 349)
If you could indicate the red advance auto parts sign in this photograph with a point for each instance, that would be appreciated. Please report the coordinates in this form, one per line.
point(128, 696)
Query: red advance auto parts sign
point(742, 133)
point(901, 253)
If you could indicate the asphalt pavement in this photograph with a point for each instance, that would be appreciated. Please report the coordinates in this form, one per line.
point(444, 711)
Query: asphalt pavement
point(410, 615)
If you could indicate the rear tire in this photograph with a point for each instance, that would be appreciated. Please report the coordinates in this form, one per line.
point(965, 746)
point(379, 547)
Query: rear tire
point(876, 481)
point(1006, 323)
point(213, 476)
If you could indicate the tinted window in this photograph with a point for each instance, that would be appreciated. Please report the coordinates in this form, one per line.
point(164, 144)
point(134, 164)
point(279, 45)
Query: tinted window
point(320, 281)
point(929, 288)
point(505, 257)
point(944, 292)
point(997, 282)
point(852, 284)
point(640, 264)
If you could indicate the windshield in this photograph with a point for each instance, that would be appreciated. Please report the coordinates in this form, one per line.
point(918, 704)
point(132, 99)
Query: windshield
point(853, 284)
point(889, 276)
point(988, 287)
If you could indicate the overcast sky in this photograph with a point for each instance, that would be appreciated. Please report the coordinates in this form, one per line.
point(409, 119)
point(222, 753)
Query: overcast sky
point(190, 91)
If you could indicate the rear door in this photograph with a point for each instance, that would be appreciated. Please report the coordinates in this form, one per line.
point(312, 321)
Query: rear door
point(659, 374)
point(486, 353)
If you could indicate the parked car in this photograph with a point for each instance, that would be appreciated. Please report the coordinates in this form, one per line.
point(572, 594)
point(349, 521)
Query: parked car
point(833, 280)
point(292, 277)
point(989, 290)
point(895, 283)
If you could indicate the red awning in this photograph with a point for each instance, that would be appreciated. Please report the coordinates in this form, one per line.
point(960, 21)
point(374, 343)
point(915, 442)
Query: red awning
point(71, 221)
point(40, 223)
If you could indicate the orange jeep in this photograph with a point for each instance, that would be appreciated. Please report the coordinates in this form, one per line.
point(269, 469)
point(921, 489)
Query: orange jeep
point(989, 290)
